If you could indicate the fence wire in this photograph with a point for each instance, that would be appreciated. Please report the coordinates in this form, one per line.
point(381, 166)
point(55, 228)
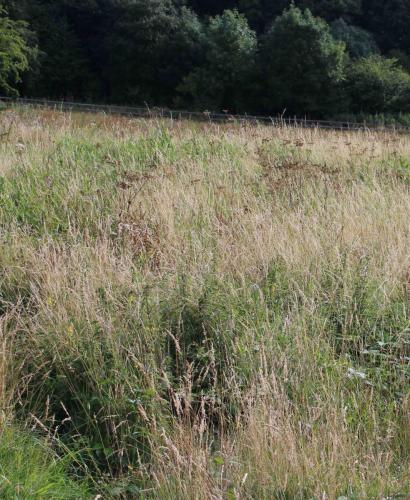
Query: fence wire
point(198, 116)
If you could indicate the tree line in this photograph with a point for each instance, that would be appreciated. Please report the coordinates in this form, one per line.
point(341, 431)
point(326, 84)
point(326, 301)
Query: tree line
point(319, 58)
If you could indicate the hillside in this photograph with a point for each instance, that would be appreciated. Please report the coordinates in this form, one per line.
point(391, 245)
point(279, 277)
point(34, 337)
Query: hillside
point(347, 59)
point(202, 311)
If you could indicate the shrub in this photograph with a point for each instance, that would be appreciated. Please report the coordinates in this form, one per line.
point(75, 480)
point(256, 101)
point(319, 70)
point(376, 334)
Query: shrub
point(376, 85)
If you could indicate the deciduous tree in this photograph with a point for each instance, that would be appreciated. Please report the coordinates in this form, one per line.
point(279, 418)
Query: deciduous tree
point(224, 78)
point(15, 54)
point(303, 64)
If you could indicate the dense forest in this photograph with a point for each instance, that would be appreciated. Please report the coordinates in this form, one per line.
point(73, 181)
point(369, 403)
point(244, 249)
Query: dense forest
point(317, 58)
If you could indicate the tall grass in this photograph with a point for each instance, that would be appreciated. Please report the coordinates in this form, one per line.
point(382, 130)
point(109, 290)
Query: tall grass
point(30, 469)
point(204, 311)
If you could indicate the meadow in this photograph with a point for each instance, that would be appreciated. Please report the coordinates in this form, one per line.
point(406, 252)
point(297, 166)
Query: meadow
point(202, 311)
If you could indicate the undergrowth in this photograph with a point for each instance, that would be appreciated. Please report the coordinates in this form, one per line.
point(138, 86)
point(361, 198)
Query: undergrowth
point(202, 311)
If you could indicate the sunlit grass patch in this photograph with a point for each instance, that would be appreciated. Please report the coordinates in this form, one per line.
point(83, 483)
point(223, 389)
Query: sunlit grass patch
point(194, 310)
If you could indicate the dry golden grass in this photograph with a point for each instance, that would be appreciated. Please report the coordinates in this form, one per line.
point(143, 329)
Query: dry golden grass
point(208, 311)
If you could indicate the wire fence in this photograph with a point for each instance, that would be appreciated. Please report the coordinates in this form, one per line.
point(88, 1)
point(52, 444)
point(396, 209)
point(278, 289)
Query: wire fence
point(198, 116)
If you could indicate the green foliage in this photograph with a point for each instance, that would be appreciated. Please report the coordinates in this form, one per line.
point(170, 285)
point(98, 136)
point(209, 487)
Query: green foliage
point(359, 42)
point(261, 13)
point(225, 76)
point(303, 64)
point(402, 57)
point(150, 48)
point(200, 54)
point(65, 69)
point(388, 20)
point(372, 331)
point(331, 9)
point(376, 84)
point(15, 55)
point(92, 387)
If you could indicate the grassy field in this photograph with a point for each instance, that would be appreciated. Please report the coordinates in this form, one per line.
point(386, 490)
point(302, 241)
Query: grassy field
point(194, 311)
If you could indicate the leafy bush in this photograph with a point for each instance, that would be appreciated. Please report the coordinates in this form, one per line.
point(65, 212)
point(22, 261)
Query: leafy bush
point(376, 85)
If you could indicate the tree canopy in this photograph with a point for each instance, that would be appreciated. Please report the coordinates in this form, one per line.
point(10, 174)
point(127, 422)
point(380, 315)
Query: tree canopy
point(304, 64)
point(15, 54)
point(255, 56)
point(224, 74)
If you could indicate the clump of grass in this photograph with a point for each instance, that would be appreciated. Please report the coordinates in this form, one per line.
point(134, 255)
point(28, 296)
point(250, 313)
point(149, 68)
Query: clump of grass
point(204, 311)
point(30, 469)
